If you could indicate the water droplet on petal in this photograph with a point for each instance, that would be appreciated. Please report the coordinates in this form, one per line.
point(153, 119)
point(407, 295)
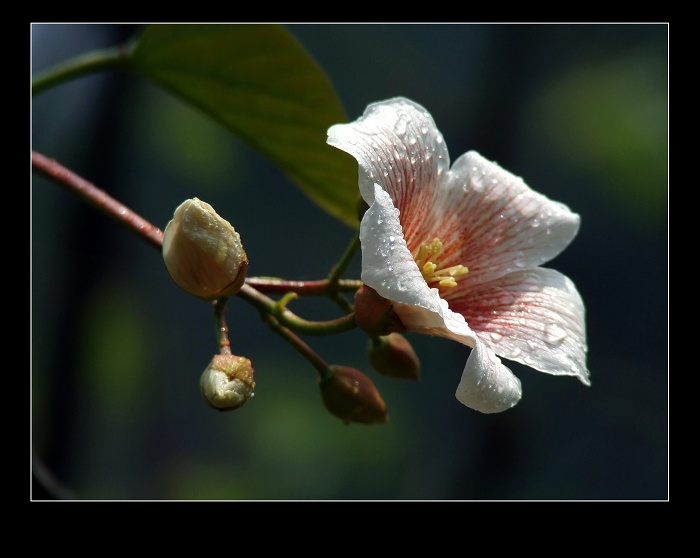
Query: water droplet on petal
point(554, 334)
point(496, 337)
point(400, 127)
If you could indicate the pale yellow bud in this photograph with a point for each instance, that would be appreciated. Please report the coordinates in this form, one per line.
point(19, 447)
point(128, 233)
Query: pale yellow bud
point(203, 253)
point(228, 382)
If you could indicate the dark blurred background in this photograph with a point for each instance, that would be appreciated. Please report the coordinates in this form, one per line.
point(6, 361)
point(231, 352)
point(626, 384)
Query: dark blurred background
point(579, 111)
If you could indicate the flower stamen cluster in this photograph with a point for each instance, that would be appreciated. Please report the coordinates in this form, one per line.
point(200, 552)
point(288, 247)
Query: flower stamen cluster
point(444, 277)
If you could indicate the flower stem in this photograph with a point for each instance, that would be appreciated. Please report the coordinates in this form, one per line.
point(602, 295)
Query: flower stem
point(321, 287)
point(221, 325)
point(290, 320)
point(82, 65)
point(97, 198)
point(345, 260)
point(154, 236)
point(298, 344)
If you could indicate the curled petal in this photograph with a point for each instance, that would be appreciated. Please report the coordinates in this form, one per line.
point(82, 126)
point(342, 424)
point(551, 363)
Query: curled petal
point(487, 385)
point(535, 317)
point(389, 268)
point(397, 146)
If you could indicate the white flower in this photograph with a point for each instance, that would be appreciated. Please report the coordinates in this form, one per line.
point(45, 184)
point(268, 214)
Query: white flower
point(457, 251)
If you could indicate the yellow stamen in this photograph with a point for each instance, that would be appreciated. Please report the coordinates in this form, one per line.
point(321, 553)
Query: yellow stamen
point(444, 277)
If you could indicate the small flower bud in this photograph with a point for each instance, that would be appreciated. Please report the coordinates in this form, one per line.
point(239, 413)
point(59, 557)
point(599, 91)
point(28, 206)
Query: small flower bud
point(227, 383)
point(203, 253)
point(392, 355)
point(352, 397)
point(375, 314)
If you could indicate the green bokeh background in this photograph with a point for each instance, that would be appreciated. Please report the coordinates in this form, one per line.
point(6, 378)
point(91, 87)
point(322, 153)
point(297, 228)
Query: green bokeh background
point(579, 111)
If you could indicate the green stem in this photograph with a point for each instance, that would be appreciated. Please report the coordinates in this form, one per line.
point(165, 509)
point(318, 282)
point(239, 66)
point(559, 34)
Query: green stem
point(82, 65)
point(289, 319)
point(345, 260)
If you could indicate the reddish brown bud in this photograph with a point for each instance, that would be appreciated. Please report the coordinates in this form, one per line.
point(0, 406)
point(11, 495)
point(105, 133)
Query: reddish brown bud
point(392, 355)
point(375, 314)
point(227, 383)
point(352, 397)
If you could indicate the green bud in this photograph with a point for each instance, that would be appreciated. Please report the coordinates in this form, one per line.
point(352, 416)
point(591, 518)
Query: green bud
point(203, 253)
point(227, 383)
point(352, 397)
point(392, 355)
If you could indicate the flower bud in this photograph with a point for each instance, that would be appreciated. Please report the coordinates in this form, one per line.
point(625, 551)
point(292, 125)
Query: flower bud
point(203, 253)
point(228, 382)
point(392, 355)
point(352, 397)
point(375, 314)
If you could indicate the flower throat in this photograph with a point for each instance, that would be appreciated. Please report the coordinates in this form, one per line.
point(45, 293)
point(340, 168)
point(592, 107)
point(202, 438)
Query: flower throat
point(427, 256)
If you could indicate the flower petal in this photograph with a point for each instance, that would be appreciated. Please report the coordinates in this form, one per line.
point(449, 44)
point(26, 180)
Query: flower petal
point(495, 224)
point(487, 385)
point(389, 268)
point(535, 317)
point(397, 146)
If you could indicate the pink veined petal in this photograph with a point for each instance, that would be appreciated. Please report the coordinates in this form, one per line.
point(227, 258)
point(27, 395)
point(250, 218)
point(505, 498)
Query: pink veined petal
point(389, 268)
point(535, 317)
point(495, 224)
point(486, 384)
point(399, 147)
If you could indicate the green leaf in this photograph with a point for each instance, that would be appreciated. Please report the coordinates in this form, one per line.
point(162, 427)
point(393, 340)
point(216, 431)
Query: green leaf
point(259, 82)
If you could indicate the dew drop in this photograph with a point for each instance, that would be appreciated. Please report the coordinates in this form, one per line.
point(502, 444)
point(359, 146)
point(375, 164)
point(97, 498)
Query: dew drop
point(400, 127)
point(554, 334)
point(496, 337)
